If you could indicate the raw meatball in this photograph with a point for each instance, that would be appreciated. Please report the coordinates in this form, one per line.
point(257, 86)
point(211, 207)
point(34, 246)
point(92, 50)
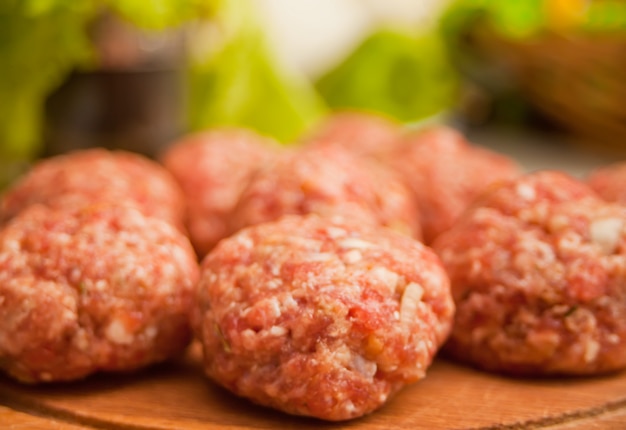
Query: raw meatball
point(445, 174)
point(102, 288)
point(327, 181)
point(97, 175)
point(316, 317)
point(359, 132)
point(610, 182)
point(538, 269)
point(212, 168)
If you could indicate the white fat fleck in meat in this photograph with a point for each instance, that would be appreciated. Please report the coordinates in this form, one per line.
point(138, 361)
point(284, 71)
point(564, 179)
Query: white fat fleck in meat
point(274, 283)
point(352, 256)
point(569, 242)
point(335, 232)
point(11, 246)
point(116, 332)
point(168, 270)
point(178, 256)
point(349, 407)
point(245, 241)
point(613, 339)
point(354, 361)
point(277, 330)
point(273, 307)
point(69, 302)
point(100, 285)
point(320, 256)
point(62, 238)
point(75, 274)
point(164, 288)
point(558, 222)
point(343, 355)
point(526, 191)
point(533, 253)
point(249, 339)
point(365, 367)
point(386, 277)
point(355, 243)
point(410, 300)
point(150, 332)
point(312, 245)
point(275, 269)
point(80, 340)
point(288, 302)
point(429, 278)
point(475, 268)
point(69, 315)
point(421, 347)
point(592, 348)
point(606, 233)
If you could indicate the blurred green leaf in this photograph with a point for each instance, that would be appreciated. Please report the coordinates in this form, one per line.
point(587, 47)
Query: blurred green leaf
point(394, 72)
point(517, 18)
point(242, 84)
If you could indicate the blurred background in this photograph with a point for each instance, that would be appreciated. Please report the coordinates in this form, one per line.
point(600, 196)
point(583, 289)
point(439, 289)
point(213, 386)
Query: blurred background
point(540, 79)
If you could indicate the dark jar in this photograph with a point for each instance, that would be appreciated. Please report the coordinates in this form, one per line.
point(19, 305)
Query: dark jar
point(134, 100)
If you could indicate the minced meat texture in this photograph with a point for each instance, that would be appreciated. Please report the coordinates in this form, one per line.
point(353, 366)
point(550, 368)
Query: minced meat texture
point(212, 168)
point(538, 268)
point(327, 180)
point(97, 175)
point(315, 316)
point(610, 182)
point(361, 133)
point(101, 288)
point(445, 173)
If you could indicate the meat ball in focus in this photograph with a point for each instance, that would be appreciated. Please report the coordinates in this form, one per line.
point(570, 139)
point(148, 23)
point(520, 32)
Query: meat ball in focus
point(445, 173)
point(101, 288)
point(362, 133)
point(609, 182)
point(212, 168)
point(538, 268)
point(318, 317)
point(327, 181)
point(97, 175)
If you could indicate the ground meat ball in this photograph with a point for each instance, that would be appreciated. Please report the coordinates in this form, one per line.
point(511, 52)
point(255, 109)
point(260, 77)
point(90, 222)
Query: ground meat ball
point(610, 182)
point(316, 317)
point(538, 269)
point(445, 174)
point(87, 176)
point(327, 181)
point(212, 168)
point(103, 288)
point(359, 132)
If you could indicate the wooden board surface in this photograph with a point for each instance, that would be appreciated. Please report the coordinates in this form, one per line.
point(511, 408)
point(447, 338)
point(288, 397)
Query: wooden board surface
point(177, 396)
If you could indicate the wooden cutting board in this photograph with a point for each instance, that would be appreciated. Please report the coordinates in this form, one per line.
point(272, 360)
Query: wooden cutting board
point(177, 396)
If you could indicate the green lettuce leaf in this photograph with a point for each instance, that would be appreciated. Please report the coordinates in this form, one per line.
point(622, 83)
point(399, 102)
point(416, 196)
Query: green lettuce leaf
point(395, 72)
point(242, 84)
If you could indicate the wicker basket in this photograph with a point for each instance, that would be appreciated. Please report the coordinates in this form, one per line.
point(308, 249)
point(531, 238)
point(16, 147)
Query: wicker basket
point(577, 81)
